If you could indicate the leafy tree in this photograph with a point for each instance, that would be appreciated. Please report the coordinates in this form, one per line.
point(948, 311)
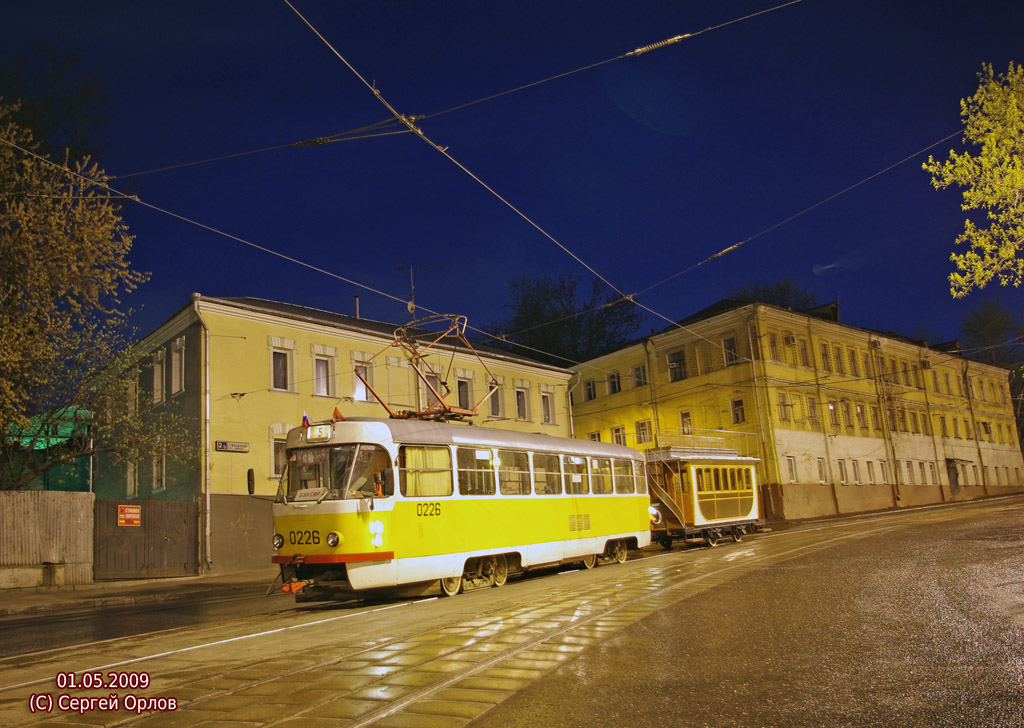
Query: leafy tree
point(560, 320)
point(784, 293)
point(993, 181)
point(67, 374)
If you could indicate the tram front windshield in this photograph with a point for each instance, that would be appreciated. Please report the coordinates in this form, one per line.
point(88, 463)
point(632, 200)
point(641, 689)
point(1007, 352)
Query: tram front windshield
point(339, 472)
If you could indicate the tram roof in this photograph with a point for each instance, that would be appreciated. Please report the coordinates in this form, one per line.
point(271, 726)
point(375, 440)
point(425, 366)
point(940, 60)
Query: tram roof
point(441, 433)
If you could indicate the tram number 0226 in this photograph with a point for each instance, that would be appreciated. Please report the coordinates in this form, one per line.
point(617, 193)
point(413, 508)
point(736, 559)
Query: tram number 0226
point(303, 538)
point(428, 509)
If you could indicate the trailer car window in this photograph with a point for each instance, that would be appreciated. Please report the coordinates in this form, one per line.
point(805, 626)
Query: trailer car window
point(601, 475)
point(513, 472)
point(624, 476)
point(547, 475)
point(476, 471)
point(576, 480)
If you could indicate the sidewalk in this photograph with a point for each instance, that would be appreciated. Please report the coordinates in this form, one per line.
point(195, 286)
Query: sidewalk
point(137, 591)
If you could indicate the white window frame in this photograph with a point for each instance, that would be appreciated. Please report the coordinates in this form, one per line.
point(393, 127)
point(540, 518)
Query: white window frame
point(360, 392)
point(639, 375)
point(286, 348)
point(739, 413)
point(327, 355)
point(618, 434)
point(522, 403)
point(791, 464)
point(159, 376)
point(644, 433)
point(278, 434)
point(178, 366)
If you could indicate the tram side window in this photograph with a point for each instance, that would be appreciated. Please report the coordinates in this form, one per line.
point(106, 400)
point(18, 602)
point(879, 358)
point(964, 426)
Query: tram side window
point(624, 476)
point(371, 473)
point(747, 481)
point(425, 471)
point(547, 475)
point(601, 475)
point(732, 478)
point(513, 473)
point(576, 481)
point(700, 479)
point(476, 471)
point(640, 476)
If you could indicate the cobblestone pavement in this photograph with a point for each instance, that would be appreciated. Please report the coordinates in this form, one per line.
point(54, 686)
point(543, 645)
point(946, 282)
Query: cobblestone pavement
point(433, 662)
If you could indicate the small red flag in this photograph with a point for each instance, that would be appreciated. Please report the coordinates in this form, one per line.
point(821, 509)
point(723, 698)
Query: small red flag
point(337, 416)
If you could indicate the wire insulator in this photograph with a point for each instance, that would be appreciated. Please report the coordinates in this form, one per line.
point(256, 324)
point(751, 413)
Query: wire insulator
point(656, 46)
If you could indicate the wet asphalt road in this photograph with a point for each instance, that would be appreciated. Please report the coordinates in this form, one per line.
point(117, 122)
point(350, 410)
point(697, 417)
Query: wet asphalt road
point(919, 626)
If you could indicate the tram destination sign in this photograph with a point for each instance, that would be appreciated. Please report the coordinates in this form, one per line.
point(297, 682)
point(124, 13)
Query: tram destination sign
point(229, 446)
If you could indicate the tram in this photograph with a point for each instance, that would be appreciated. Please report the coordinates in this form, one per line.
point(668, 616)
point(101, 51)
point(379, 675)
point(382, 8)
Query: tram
point(703, 496)
point(370, 504)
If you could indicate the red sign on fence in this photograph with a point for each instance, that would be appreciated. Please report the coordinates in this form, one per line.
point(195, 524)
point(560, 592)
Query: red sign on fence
point(129, 515)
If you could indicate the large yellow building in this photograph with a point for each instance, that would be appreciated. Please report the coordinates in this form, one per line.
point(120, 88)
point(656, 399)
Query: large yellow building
point(843, 419)
point(244, 371)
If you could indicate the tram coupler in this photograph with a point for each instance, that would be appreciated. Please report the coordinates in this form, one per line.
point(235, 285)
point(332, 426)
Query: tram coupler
point(295, 585)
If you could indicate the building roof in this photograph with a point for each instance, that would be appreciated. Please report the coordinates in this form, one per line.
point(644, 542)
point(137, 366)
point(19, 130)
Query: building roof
point(363, 325)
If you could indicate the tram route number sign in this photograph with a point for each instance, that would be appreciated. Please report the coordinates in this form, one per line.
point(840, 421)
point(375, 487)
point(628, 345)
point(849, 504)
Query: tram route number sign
point(229, 446)
point(129, 515)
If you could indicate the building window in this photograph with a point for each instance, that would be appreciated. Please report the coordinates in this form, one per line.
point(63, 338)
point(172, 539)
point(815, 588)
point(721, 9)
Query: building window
point(465, 394)
point(495, 402)
point(619, 435)
point(732, 355)
point(833, 412)
point(847, 415)
point(812, 410)
point(910, 471)
point(935, 380)
point(826, 361)
point(871, 472)
point(589, 390)
point(783, 407)
point(643, 432)
point(956, 428)
point(158, 375)
point(431, 382)
point(885, 470)
point(822, 477)
point(862, 417)
point(866, 361)
point(546, 409)
point(738, 416)
point(876, 419)
point(949, 384)
point(773, 348)
point(685, 423)
point(856, 471)
point(924, 477)
point(280, 370)
point(942, 425)
point(323, 376)
point(522, 404)
point(791, 465)
point(805, 357)
point(178, 365)
point(842, 471)
point(614, 383)
point(838, 356)
point(159, 468)
point(677, 365)
point(361, 363)
point(640, 375)
point(852, 353)
point(931, 474)
point(594, 436)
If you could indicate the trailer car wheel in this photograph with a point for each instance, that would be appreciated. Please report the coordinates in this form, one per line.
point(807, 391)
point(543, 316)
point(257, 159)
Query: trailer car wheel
point(617, 551)
point(499, 570)
point(589, 561)
point(737, 533)
point(666, 542)
point(711, 537)
point(451, 586)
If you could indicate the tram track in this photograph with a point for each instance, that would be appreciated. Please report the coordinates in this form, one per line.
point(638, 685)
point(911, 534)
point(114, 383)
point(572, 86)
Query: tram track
point(466, 666)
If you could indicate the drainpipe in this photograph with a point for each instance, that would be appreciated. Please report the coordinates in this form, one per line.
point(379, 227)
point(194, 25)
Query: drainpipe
point(931, 430)
point(974, 420)
point(812, 355)
point(207, 528)
point(650, 386)
point(760, 420)
point(568, 400)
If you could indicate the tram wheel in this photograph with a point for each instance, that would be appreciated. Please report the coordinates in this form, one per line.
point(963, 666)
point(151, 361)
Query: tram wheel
point(451, 586)
point(617, 551)
point(589, 561)
point(499, 570)
point(666, 542)
point(737, 533)
point(712, 536)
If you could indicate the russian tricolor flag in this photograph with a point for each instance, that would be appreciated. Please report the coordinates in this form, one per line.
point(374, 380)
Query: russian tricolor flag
point(305, 420)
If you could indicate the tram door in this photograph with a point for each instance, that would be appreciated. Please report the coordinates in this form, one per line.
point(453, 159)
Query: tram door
point(577, 484)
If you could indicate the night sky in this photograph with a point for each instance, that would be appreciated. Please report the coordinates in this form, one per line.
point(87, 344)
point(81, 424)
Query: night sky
point(642, 167)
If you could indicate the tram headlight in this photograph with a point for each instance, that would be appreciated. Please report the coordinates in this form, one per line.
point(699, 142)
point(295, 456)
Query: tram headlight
point(333, 539)
point(655, 515)
point(278, 540)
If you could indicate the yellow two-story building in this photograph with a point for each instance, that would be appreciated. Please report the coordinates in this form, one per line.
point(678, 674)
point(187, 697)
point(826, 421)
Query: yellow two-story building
point(243, 371)
point(843, 419)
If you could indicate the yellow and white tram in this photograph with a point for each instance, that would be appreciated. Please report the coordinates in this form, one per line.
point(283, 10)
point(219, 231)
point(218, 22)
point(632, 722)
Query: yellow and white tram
point(706, 496)
point(367, 504)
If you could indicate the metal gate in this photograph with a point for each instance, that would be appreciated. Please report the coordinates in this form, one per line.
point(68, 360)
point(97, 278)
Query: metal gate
point(140, 539)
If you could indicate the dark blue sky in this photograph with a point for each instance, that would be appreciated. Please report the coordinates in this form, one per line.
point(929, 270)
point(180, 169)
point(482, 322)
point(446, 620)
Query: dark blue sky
point(642, 167)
